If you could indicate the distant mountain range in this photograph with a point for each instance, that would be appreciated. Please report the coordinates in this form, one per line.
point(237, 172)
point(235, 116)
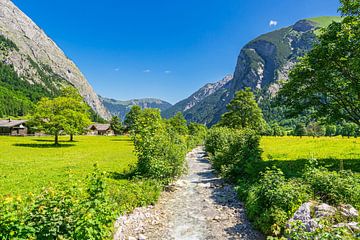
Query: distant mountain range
point(121, 108)
point(261, 64)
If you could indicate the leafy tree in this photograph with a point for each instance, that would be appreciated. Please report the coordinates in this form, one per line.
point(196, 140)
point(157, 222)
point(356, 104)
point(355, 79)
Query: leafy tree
point(78, 115)
point(300, 130)
point(348, 129)
point(116, 125)
point(131, 118)
point(243, 112)
point(330, 130)
point(178, 124)
point(68, 113)
point(327, 79)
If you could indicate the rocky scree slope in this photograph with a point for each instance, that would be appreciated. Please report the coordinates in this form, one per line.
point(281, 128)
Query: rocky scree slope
point(121, 108)
point(37, 60)
point(261, 65)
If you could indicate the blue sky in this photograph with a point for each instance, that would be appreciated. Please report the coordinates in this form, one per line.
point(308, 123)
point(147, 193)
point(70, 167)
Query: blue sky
point(161, 48)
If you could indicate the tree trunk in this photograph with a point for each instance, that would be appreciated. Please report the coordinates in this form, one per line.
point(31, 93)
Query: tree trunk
point(56, 138)
point(71, 137)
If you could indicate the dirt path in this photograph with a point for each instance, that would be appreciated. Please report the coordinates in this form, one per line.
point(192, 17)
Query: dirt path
point(197, 206)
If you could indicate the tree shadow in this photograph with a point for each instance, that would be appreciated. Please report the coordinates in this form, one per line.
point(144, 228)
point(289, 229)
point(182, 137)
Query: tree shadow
point(121, 140)
point(125, 175)
point(296, 168)
point(37, 145)
point(49, 140)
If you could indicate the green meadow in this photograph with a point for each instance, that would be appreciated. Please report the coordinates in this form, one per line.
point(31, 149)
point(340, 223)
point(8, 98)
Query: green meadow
point(28, 164)
point(292, 154)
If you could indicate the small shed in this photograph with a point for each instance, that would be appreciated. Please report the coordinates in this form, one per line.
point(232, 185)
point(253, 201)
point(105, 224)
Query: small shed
point(13, 127)
point(100, 129)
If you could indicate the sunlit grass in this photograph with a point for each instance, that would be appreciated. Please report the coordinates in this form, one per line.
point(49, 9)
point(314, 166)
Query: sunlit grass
point(27, 164)
point(293, 148)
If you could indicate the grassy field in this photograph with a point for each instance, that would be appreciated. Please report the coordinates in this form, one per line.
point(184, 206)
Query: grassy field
point(31, 163)
point(293, 153)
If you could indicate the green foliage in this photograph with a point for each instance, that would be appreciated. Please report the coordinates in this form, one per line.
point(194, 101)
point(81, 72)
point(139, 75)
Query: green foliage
point(243, 112)
point(197, 134)
point(273, 200)
point(59, 214)
point(160, 149)
point(334, 187)
point(67, 112)
point(6, 44)
point(327, 78)
point(234, 152)
point(218, 139)
point(131, 119)
point(116, 125)
point(300, 130)
point(178, 124)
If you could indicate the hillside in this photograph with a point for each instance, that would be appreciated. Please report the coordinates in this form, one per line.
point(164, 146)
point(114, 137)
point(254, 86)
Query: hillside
point(121, 108)
point(261, 64)
point(187, 104)
point(33, 66)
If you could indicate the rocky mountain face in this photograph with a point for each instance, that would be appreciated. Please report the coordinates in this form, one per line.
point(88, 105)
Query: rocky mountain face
point(187, 104)
point(121, 108)
point(37, 60)
point(261, 64)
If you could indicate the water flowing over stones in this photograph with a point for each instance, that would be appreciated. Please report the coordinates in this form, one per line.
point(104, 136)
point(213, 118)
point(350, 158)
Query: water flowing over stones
point(198, 206)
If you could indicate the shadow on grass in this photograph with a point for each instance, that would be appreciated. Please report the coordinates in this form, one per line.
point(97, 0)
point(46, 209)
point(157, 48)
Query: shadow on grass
point(295, 168)
point(49, 140)
point(126, 175)
point(37, 145)
point(121, 140)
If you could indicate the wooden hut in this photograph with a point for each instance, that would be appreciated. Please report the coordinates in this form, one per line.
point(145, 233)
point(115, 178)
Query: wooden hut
point(13, 127)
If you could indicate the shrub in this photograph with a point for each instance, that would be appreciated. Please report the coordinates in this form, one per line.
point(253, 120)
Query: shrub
point(333, 187)
point(273, 200)
point(159, 145)
point(218, 140)
point(235, 152)
point(69, 213)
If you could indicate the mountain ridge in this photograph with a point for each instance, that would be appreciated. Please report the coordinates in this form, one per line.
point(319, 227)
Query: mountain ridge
point(38, 60)
point(261, 65)
point(121, 107)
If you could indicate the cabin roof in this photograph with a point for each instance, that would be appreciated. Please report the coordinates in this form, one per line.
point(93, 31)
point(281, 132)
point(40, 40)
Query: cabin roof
point(11, 123)
point(100, 127)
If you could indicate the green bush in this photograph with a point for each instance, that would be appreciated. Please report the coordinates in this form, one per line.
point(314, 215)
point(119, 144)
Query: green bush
point(160, 145)
point(235, 153)
point(273, 200)
point(333, 187)
point(218, 140)
point(72, 213)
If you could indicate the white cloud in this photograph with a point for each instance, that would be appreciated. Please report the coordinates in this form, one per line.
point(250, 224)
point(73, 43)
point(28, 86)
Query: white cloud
point(147, 70)
point(167, 72)
point(273, 23)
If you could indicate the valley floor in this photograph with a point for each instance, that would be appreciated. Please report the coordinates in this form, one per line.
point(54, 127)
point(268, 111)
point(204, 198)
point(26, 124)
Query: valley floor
point(198, 206)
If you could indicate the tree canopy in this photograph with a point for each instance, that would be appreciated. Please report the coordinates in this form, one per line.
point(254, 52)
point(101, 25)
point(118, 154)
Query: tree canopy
point(68, 113)
point(327, 79)
point(243, 112)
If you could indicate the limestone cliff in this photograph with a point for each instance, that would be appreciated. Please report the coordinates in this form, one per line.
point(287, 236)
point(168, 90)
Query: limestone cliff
point(37, 59)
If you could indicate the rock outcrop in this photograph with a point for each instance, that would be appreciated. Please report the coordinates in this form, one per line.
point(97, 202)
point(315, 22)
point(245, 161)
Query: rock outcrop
point(37, 55)
point(313, 215)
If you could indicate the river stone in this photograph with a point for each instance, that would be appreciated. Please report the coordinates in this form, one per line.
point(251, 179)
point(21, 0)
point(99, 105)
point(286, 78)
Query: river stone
point(349, 211)
point(324, 210)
